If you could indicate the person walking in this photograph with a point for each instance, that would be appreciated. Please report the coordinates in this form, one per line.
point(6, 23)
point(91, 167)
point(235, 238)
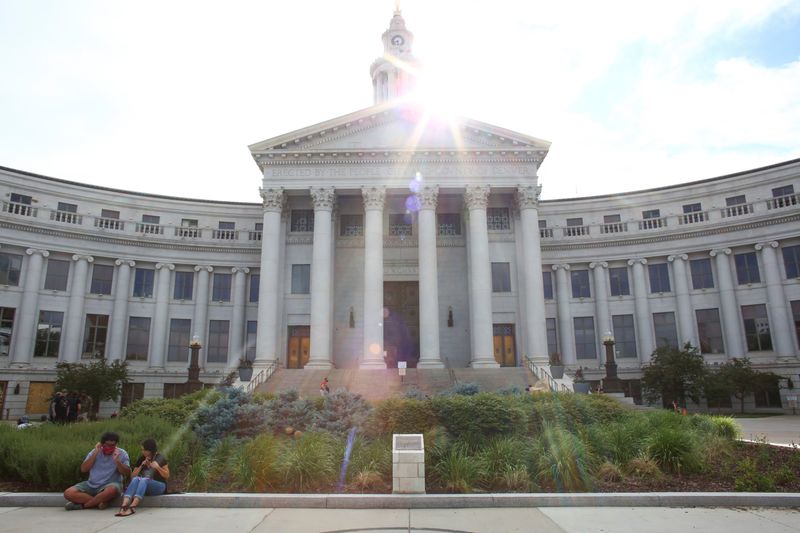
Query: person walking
point(324, 388)
point(149, 478)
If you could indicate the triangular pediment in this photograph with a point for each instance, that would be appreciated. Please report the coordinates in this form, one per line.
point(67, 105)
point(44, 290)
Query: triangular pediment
point(399, 127)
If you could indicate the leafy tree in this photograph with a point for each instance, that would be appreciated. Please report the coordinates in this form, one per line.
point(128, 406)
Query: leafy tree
point(98, 380)
point(674, 375)
point(741, 379)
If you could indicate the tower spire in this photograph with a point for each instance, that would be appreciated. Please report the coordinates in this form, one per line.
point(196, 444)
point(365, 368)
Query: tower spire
point(392, 74)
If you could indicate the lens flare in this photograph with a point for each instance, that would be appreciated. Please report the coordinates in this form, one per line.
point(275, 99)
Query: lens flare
point(412, 205)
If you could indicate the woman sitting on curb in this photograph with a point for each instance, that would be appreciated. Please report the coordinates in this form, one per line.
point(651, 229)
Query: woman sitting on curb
point(149, 477)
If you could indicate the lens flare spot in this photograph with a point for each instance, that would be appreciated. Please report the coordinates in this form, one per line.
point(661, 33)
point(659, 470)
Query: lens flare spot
point(415, 186)
point(412, 204)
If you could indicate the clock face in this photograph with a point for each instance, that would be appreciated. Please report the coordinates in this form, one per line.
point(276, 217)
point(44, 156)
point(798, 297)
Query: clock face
point(398, 40)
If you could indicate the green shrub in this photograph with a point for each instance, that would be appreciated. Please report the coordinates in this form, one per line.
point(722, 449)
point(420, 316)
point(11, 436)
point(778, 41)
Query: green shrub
point(462, 389)
point(341, 411)
point(674, 450)
point(609, 472)
point(514, 479)
point(499, 456)
point(564, 463)
point(257, 469)
point(783, 475)
point(370, 456)
point(643, 467)
point(748, 479)
point(726, 426)
point(617, 442)
point(309, 463)
point(481, 416)
point(456, 471)
point(213, 421)
point(401, 415)
point(177, 410)
point(289, 410)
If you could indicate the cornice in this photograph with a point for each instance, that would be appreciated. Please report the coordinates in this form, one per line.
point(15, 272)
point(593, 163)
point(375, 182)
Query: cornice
point(333, 158)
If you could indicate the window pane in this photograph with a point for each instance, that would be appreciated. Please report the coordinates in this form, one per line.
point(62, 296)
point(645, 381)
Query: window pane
point(618, 279)
point(217, 341)
point(580, 284)
point(611, 219)
point(143, 282)
point(102, 277)
point(624, 335)
point(756, 328)
point(10, 267)
point(94, 336)
point(791, 261)
point(302, 220)
point(250, 341)
point(547, 281)
point(796, 316)
point(501, 277)
point(57, 275)
point(351, 225)
point(255, 281)
point(450, 223)
point(222, 288)
point(130, 393)
point(138, 338)
point(552, 337)
point(227, 225)
point(179, 338)
point(585, 338)
point(400, 225)
point(659, 278)
point(571, 222)
point(498, 219)
point(735, 200)
point(702, 277)
point(665, 329)
point(692, 208)
point(67, 208)
point(747, 268)
point(6, 328)
point(301, 279)
point(710, 331)
point(109, 213)
point(184, 286)
point(48, 334)
point(651, 213)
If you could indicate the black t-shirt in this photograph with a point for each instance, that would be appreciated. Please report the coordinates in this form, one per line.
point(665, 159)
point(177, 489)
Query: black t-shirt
point(152, 473)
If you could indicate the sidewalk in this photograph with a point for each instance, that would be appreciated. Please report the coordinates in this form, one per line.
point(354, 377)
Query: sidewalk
point(784, 429)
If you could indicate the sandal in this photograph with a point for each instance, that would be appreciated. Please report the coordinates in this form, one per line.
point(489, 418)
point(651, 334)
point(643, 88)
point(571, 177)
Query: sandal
point(124, 511)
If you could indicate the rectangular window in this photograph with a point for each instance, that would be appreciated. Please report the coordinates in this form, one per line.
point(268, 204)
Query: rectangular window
point(756, 328)
point(255, 282)
point(66, 213)
point(611, 219)
point(572, 222)
point(48, 334)
point(302, 220)
point(784, 190)
point(151, 219)
point(552, 336)
point(351, 225)
point(301, 279)
point(624, 335)
point(580, 284)
point(659, 278)
point(10, 267)
point(618, 281)
point(20, 199)
point(184, 286)
point(449, 223)
point(585, 343)
point(94, 336)
point(179, 337)
point(221, 291)
point(259, 226)
point(57, 275)
point(791, 261)
point(6, 328)
point(189, 223)
point(102, 277)
point(501, 277)
point(735, 200)
point(400, 225)
point(250, 340)
point(692, 208)
point(130, 393)
point(665, 329)
point(230, 226)
point(542, 224)
point(702, 276)
point(796, 316)
point(138, 338)
point(651, 213)
point(143, 282)
point(217, 341)
point(709, 330)
point(547, 281)
point(109, 213)
point(498, 219)
point(747, 268)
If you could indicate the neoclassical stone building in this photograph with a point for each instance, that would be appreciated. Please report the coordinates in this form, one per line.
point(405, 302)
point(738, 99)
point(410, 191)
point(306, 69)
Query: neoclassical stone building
point(392, 234)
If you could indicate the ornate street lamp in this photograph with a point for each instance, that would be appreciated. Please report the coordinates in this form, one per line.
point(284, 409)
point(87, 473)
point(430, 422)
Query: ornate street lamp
point(611, 383)
point(193, 383)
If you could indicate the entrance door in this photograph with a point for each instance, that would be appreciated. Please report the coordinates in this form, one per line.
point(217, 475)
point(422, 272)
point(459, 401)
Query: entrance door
point(401, 322)
point(504, 352)
point(39, 395)
point(299, 344)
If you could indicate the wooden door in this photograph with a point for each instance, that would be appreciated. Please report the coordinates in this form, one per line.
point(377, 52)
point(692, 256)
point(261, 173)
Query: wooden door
point(39, 395)
point(504, 349)
point(297, 352)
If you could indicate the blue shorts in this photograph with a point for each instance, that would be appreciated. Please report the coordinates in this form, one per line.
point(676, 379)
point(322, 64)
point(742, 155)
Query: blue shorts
point(83, 486)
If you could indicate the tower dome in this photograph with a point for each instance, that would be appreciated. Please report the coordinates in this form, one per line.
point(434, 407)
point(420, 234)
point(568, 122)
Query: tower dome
point(393, 74)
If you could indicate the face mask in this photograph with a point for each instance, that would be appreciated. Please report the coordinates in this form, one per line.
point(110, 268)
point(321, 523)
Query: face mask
point(109, 449)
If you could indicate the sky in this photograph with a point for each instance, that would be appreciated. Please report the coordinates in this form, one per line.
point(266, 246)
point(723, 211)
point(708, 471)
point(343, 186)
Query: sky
point(164, 97)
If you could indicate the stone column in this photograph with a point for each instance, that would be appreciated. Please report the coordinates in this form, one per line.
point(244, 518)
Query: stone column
point(731, 328)
point(428, 280)
point(535, 320)
point(781, 326)
point(200, 317)
point(600, 269)
point(237, 320)
point(25, 328)
point(480, 278)
point(374, 200)
point(119, 314)
point(268, 293)
point(319, 356)
point(684, 303)
point(73, 330)
point(644, 320)
point(566, 338)
point(158, 344)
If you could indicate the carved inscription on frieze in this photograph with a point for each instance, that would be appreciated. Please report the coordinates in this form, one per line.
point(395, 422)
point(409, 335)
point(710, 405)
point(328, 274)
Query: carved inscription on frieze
point(399, 171)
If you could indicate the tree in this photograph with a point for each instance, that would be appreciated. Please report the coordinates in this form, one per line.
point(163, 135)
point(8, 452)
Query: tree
point(98, 380)
point(741, 379)
point(674, 375)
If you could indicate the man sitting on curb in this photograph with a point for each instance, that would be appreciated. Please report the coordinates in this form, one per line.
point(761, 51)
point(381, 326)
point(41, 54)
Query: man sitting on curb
point(106, 465)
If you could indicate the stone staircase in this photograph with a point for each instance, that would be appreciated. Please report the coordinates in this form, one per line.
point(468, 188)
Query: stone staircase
point(380, 384)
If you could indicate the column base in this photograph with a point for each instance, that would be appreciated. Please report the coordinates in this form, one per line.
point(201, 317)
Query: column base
point(484, 363)
point(318, 365)
point(433, 363)
point(372, 365)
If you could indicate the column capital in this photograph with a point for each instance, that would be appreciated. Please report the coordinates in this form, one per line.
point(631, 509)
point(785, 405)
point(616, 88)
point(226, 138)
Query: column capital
point(672, 258)
point(168, 266)
point(528, 196)
point(562, 266)
point(772, 244)
point(243, 270)
point(428, 197)
point(374, 197)
point(477, 196)
point(600, 264)
point(87, 258)
point(43, 253)
point(272, 199)
point(323, 198)
point(725, 251)
point(207, 268)
point(638, 260)
point(130, 262)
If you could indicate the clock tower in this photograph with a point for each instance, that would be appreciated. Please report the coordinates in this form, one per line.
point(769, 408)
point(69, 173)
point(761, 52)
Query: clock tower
point(393, 75)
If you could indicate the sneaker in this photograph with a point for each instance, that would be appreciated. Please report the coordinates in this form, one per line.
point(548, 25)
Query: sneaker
point(72, 506)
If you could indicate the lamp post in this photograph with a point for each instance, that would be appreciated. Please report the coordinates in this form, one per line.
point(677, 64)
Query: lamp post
point(611, 383)
point(193, 383)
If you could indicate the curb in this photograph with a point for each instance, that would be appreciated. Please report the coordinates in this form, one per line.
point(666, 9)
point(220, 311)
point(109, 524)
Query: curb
point(435, 501)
